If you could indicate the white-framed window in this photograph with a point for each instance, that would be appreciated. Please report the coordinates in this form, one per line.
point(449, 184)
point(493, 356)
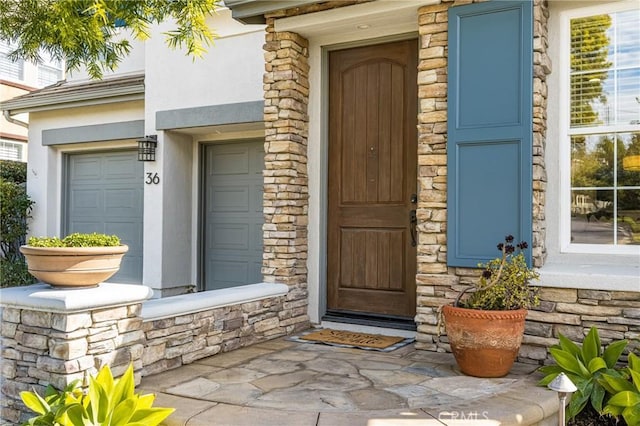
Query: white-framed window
point(600, 129)
point(50, 71)
point(10, 150)
point(10, 70)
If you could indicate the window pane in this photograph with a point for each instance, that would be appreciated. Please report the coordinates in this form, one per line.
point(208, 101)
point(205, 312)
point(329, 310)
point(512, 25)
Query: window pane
point(629, 159)
point(627, 38)
point(628, 89)
point(592, 160)
point(629, 216)
point(8, 68)
point(592, 217)
point(591, 99)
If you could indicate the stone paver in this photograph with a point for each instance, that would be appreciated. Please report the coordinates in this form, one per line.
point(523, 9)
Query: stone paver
point(288, 383)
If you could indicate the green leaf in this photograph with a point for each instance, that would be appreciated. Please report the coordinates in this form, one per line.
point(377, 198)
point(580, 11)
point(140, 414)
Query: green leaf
point(612, 410)
point(631, 415)
point(124, 387)
point(625, 399)
point(568, 346)
point(550, 369)
point(151, 416)
point(577, 404)
point(146, 401)
point(591, 346)
point(614, 384)
point(77, 415)
point(34, 402)
point(634, 362)
point(635, 377)
point(568, 362)
point(613, 351)
point(123, 412)
point(597, 397)
point(596, 364)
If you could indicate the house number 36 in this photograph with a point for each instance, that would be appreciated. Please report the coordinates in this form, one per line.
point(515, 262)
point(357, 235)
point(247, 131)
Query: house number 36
point(152, 178)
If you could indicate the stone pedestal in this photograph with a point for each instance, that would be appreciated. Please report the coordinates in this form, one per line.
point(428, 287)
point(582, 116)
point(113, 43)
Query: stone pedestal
point(55, 336)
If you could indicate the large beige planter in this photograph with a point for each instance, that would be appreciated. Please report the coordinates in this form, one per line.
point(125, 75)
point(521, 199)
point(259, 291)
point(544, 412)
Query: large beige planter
point(73, 266)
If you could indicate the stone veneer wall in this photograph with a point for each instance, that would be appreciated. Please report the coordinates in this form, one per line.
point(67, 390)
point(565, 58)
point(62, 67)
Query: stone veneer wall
point(568, 311)
point(182, 339)
point(286, 187)
point(41, 347)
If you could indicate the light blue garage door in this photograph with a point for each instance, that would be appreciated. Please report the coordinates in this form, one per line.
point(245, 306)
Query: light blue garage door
point(104, 193)
point(233, 214)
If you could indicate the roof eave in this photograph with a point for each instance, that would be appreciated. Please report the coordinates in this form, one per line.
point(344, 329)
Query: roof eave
point(83, 95)
point(253, 11)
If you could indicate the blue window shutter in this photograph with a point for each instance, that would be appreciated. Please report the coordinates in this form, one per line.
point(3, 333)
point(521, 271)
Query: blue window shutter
point(489, 146)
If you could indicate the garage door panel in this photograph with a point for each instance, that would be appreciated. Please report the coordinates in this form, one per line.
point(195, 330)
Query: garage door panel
point(229, 198)
point(229, 273)
point(229, 236)
point(120, 167)
point(86, 170)
point(233, 214)
point(122, 202)
point(85, 199)
point(230, 160)
point(105, 195)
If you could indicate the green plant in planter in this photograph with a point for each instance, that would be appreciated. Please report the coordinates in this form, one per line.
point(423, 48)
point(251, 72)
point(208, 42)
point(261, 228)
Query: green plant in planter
point(585, 365)
point(504, 284)
point(108, 402)
point(76, 240)
point(625, 392)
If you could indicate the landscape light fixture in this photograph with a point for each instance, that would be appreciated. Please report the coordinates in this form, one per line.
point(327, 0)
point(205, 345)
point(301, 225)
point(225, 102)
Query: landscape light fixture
point(564, 386)
point(147, 148)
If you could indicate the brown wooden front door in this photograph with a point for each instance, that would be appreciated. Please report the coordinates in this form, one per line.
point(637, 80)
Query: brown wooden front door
point(371, 255)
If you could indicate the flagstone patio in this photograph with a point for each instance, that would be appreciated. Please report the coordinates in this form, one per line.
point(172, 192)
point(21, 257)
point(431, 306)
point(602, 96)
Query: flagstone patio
point(288, 383)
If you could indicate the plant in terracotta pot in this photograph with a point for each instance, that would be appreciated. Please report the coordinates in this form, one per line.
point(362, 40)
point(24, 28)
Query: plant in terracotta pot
point(485, 324)
point(77, 260)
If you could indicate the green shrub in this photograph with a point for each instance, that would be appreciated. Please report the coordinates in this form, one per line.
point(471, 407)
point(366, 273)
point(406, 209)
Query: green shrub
point(15, 210)
point(13, 171)
point(108, 402)
point(76, 240)
point(625, 392)
point(585, 365)
point(14, 273)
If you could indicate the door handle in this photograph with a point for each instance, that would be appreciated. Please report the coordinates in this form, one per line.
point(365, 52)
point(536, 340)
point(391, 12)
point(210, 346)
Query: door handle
point(413, 224)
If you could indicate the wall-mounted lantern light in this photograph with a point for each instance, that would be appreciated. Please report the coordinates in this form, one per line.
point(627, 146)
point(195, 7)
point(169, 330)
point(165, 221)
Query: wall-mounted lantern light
point(147, 148)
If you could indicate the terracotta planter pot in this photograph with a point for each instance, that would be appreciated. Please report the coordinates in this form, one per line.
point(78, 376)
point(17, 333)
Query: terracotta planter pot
point(73, 266)
point(484, 343)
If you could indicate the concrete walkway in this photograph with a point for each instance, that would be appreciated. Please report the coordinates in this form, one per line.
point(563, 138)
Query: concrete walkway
point(285, 383)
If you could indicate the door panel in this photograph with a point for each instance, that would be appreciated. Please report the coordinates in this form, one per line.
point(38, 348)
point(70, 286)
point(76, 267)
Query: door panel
point(371, 260)
point(104, 193)
point(233, 214)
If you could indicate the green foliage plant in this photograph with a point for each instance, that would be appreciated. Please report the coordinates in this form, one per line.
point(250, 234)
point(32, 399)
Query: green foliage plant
point(76, 240)
point(108, 402)
point(585, 365)
point(13, 171)
point(15, 211)
point(505, 282)
point(625, 392)
point(97, 34)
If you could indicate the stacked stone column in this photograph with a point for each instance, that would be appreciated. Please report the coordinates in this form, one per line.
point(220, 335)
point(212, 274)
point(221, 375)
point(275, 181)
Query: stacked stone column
point(286, 190)
point(541, 68)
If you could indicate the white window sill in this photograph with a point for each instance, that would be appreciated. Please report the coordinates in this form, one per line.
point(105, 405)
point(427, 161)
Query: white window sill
point(196, 302)
point(590, 276)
